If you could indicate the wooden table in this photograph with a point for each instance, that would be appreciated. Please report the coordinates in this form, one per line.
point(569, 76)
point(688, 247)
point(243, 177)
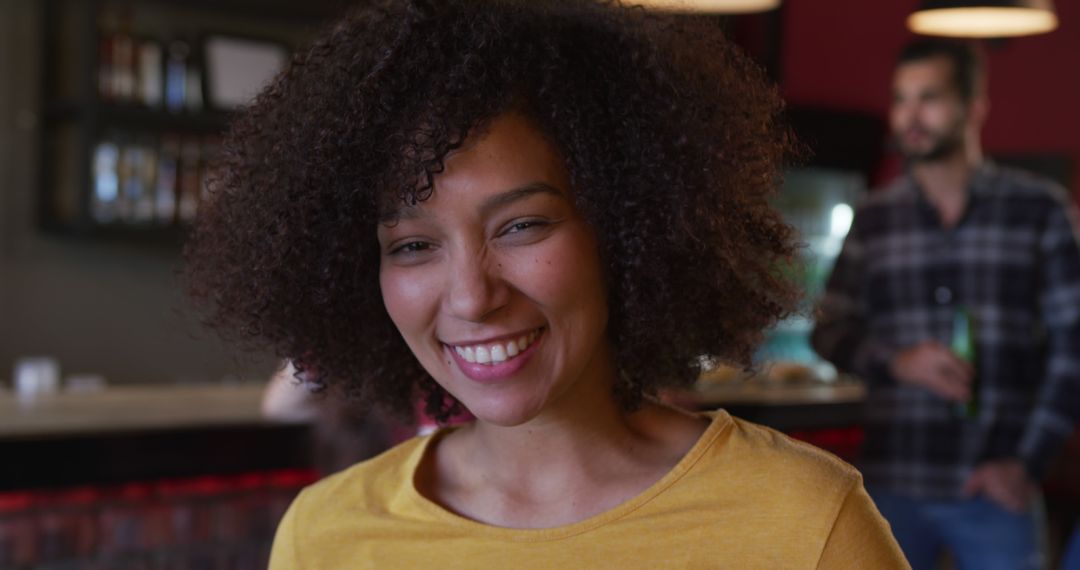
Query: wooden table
point(133, 433)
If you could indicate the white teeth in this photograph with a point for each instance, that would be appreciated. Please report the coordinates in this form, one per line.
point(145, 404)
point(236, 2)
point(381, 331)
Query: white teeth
point(495, 353)
point(466, 353)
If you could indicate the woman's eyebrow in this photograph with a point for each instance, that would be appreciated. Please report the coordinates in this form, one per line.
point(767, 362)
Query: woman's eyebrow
point(502, 199)
point(488, 207)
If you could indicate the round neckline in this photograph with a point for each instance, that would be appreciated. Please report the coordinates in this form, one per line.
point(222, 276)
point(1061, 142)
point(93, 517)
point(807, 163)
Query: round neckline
point(720, 421)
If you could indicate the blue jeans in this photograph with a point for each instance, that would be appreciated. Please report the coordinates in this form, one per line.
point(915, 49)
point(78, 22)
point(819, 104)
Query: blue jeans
point(979, 534)
point(1071, 558)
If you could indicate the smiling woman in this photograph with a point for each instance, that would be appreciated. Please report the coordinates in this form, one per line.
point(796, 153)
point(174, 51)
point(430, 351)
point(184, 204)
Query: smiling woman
point(495, 281)
point(542, 212)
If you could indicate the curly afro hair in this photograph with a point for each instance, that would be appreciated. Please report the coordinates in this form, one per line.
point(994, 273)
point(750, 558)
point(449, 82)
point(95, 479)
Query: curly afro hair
point(672, 141)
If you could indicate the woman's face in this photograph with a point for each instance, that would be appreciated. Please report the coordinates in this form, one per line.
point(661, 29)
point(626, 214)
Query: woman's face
point(495, 281)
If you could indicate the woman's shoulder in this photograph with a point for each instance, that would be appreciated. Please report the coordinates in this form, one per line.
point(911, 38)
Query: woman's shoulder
point(777, 462)
point(373, 481)
point(766, 484)
point(778, 446)
point(802, 498)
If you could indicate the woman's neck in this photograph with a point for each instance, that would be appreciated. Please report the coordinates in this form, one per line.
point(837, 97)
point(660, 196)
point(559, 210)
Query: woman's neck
point(561, 467)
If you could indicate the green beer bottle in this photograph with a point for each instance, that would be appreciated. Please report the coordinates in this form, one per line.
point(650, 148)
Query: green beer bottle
point(963, 345)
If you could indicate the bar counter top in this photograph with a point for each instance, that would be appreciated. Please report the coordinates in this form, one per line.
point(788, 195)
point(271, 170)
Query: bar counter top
point(129, 433)
point(142, 433)
point(760, 393)
point(783, 406)
point(141, 408)
point(130, 408)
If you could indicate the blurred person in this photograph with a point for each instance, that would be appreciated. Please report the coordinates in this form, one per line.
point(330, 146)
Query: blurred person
point(543, 213)
point(956, 297)
point(287, 398)
point(342, 433)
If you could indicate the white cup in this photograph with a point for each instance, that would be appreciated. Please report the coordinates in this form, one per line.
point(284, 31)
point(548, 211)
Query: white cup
point(35, 376)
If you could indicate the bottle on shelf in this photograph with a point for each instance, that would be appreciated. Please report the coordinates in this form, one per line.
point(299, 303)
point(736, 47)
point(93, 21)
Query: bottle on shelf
point(142, 211)
point(176, 76)
point(151, 80)
point(193, 91)
point(127, 181)
point(106, 184)
point(190, 178)
point(123, 60)
point(167, 179)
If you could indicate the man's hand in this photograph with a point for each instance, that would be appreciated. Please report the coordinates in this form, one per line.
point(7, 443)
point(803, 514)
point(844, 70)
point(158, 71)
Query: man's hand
point(934, 367)
point(1004, 482)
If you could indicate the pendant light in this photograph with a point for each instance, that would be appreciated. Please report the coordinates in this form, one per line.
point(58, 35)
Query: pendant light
point(708, 6)
point(983, 19)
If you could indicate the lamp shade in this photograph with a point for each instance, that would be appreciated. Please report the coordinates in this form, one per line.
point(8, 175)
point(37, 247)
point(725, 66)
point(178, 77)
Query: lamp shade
point(983, 19)
point(708, 6)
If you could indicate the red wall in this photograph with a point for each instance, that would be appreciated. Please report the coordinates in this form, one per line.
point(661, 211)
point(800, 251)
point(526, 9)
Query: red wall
point(839, 54)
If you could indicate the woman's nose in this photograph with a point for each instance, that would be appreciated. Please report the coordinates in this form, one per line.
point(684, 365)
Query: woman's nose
point(476, 288)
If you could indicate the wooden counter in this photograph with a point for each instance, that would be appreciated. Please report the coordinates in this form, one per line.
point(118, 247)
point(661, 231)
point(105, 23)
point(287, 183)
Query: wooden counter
point(784, 406)
point(130, 408)
point(157, 408)
point(129, 433)
point(137, 433)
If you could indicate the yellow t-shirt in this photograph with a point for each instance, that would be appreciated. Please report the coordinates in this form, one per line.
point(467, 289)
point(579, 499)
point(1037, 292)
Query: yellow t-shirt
point(745, 496)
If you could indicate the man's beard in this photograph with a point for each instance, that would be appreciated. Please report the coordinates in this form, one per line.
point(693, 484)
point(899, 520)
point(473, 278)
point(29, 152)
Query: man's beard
point(944, 145)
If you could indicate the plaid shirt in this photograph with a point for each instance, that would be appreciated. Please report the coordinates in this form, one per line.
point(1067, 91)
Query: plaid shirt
point(1013, 262)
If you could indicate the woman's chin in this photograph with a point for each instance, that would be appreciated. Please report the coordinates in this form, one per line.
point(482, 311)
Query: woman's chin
point(503, 413)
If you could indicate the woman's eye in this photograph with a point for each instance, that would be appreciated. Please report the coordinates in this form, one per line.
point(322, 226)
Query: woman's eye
point(517, 227)
point(410, 247)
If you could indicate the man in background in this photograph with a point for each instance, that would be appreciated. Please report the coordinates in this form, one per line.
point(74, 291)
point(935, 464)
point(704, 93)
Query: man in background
point(956, 298)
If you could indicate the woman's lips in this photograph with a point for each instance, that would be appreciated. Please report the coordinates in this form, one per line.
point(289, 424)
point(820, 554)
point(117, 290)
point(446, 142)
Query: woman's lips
point(483, 370)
